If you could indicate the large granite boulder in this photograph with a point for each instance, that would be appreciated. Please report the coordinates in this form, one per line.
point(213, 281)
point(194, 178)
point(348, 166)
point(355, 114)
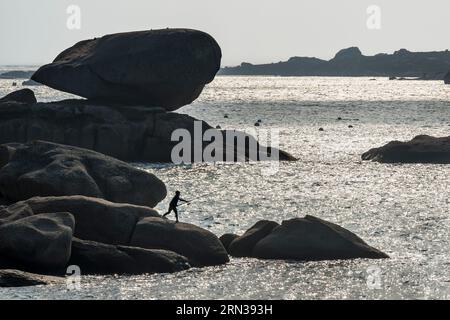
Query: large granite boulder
point(200, 246)
point(99, 258)
point(165, 68)
point(311, 239)
point(17, 278)
point(129, 133)
point(96, 219)
point(243, 245)
point(41, 241)
point(447, 78)
point(40, 168)
point(421, 149)
point(21, 96)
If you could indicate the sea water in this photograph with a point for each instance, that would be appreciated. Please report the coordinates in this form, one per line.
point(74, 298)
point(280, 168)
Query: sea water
point(402, 210)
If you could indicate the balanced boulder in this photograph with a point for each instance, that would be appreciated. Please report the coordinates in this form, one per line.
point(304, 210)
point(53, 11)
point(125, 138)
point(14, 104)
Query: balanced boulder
point(311, 238)
point(96, 219)
point(200, 246)
point(166, 68)
point(41, 241)
point(98, 258)
point(40, 168)
point(421, 149)
point(243, 245)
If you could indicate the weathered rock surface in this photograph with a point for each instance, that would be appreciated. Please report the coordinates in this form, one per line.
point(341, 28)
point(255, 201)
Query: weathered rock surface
point(243, 245)
point(421, 149)
point(311, 239)
point(41, 241)
point(166, 68)
point(200, 246)
point(98, 258)
point(227, 238)
point(40, 168)
point(21, 96)
point(17, 278)
point(96, 219)
point(132, 133)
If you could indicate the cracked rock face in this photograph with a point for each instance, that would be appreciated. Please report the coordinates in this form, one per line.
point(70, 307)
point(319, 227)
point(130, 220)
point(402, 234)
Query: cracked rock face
point(166, 68)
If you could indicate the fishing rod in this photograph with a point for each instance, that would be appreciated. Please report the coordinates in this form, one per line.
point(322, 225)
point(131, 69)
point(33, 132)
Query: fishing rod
point(196, 198)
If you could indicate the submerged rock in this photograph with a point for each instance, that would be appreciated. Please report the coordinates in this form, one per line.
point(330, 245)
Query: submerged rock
point(17, 278)
point(200, 246)
point(98, 258)
point(41, 241)
point(96, 219)
point(311, 238)
point(243, 245)
point(42, 168)
point(421, 149)
point(22, 96)
point(166, 68)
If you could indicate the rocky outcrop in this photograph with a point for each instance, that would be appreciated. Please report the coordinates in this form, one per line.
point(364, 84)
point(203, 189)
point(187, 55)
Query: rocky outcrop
point(41, 168)
point(447, 78)
point(98, 258)
point(17, 278)
point(421, 149)
point(21, 96)
point(311, 239)
point(200, 246)
point(132, 133)
point(96, 219)
point(17, 74)
point(165, 68)
point(351, 62)
point(243, 245)
point(41, 241)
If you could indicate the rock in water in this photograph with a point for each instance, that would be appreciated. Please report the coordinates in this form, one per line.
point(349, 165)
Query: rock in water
point(41, 241)
point(421, 149)
point(166, 68)
point(227, 238)
point(243, 246)
point(96, 219)
point(21, 96)
point(16, 278)
point(311, 238)
point(40, 168)
point(447, 78)
point(99, 258)
point(200, 246)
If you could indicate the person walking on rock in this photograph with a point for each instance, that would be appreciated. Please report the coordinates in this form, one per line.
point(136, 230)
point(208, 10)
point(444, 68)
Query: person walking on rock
point(174, 203)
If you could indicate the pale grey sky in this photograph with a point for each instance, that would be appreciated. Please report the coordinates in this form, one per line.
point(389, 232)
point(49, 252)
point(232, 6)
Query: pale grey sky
point(34, 31)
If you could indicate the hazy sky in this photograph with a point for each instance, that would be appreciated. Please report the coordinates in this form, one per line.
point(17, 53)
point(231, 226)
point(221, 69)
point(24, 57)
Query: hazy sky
point(35, 31)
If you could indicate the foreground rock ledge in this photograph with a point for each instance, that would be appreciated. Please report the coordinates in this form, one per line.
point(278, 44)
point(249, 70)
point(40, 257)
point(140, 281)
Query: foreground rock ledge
point(305, 239)
point(17, 278)
point(41, 168)
point(166, 68)
point(421, 149)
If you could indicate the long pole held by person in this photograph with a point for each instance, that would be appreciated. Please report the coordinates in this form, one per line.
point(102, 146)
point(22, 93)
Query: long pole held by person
point(174, 204)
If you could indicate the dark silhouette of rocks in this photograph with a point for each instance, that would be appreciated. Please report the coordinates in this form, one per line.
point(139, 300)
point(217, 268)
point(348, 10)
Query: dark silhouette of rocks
point(351, 62)
point(165, 68)
point(21, 96)
point(16, 74)
point(133, 133)
point(421, 149)
point(200, 246)
point(227, 238)
point(17, 278)
point(447, 78)
point(41, 241)
point(99, 258)
point(306, 239)
point(31, 83)
point(40, 168)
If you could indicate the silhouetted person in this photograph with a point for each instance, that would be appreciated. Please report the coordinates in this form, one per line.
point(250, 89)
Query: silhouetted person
point(174, 203)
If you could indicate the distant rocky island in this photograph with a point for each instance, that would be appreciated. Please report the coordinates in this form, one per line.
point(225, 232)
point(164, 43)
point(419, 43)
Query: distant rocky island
point(351, 62)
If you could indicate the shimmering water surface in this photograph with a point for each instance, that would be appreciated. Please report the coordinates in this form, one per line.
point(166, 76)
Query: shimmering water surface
point(400, 209)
